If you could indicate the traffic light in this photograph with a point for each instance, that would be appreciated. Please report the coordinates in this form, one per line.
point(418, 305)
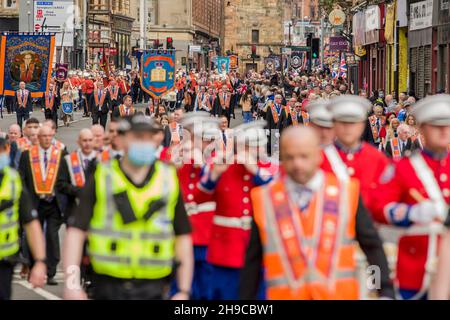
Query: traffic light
point(169, 43)
point(315, 47)
point(253, 50)
point(309, 44)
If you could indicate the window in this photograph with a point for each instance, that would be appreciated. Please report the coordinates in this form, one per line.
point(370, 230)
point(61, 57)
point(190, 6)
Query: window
point(255, 36)
point(152, 6)
point(10, 3)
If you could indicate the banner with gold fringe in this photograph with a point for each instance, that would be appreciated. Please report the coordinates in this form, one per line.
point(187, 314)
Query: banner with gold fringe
point(26, 57)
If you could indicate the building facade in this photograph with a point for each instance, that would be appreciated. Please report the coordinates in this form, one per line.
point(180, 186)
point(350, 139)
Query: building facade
point(9, 15)
point(253, 22)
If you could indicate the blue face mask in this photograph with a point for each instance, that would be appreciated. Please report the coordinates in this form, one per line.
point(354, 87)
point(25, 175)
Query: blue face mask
point(141, 153)
point(4, 161)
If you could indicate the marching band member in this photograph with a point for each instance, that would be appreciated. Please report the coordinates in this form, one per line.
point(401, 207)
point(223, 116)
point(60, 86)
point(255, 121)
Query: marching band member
point(416, 196)
point(350, 156)
point(233, 215)
point(201, 127)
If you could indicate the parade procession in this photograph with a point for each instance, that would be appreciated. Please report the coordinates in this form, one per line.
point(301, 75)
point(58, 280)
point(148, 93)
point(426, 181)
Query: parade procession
point(244, 165)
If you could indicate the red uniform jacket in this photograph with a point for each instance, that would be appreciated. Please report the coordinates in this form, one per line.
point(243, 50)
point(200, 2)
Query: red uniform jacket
point(367, 164)
point(391, 206)
point(228, 245)
point(200, 214)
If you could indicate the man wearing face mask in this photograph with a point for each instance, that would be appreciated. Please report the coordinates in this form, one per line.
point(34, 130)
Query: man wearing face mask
point(133, 215)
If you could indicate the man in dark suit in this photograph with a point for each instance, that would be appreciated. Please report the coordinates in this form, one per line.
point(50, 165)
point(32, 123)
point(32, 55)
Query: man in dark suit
point(22, 104)
point(273, 114)
point(374, 124)
point(100, 102)
point(405, 144)
point(40, 177)
point(75, 168)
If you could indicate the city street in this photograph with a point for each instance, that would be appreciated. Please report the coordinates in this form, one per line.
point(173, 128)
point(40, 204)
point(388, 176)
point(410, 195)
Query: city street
point(22, 290)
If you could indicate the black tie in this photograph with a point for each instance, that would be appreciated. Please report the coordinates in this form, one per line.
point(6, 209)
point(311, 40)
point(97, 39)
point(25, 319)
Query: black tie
point(45, 160)
point(224, 137)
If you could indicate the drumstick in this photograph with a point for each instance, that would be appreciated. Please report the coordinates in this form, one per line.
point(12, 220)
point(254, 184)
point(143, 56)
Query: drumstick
point(416, 195)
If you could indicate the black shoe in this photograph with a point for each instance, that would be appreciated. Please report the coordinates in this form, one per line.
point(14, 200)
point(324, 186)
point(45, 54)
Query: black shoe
point(52, 282)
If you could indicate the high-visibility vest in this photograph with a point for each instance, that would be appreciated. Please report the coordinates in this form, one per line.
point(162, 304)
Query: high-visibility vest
point(10, 191)
point(309, 254)
point(141, 249)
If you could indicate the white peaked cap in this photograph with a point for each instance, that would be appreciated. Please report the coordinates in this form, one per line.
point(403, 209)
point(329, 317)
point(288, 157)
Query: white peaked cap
point(319, 114)
point(254, 133)
point(434, 110)
point(349, 108)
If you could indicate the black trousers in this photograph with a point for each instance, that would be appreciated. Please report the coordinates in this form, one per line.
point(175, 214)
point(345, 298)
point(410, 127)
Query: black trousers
point(6, 274)
point(51, 220)
point(22, 115)
point(9, 102)
point(89, 98)
point(101, 117)
point(109, 288)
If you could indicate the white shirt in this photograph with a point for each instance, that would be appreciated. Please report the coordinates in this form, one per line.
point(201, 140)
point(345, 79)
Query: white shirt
point(301, 195)
point(88, 157)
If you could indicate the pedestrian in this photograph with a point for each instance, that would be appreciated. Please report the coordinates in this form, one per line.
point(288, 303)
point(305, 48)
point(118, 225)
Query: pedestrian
point(402, 144)
point(18, 211)
point(22, 104)
point(101, 105)
point(124, 110)
point(246, 104)
point(296, 230)
point(39, 168)
point(416, 195)
point(115, 209)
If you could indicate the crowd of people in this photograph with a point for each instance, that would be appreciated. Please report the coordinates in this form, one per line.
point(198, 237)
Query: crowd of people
point(176, 200)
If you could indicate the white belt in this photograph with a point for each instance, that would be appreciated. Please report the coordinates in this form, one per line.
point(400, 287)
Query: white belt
point(244, 223)
point(193, 208)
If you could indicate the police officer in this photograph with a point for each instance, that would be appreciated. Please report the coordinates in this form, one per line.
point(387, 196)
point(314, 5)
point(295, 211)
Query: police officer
point(133, 215)
point(15, 208)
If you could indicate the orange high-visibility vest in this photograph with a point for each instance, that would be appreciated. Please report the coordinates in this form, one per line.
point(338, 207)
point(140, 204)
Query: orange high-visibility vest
point(309, 254)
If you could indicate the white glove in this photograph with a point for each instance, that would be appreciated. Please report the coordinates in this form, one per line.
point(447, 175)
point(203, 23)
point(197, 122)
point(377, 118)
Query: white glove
point(277, 134)
point(424, 212)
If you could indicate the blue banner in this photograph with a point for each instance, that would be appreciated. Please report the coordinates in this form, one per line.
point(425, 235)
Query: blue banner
point(157, 72)
point(27, 58)
point(223, 64)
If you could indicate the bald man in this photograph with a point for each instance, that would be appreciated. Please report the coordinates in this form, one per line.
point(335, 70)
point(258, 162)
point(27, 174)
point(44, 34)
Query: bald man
point(318, 219)
point(75, 169)
point(38, 167)
point(57, 143)
point(99, 137)
point(14, 133)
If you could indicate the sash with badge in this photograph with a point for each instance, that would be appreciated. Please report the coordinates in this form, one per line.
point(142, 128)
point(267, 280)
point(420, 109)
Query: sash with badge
point(123, 111)
point(395, 148)
point(175, 139)
point(294, 118)
point(22, 99)
point(44, 186)
point(373, 127)
point(274, 113)
point(305, 117)
point(75, 169)
point(290, 224)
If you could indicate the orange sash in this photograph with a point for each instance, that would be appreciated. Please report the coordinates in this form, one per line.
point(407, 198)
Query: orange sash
point(123, 112)
point(23, 144)
point(75, 169)
point(19, 98)
point(294, 117)
point(114, 93)
point(104, 156)
point(224, 103)
point(175, 134)
point(274, 113)
point(291, 225)
point(48, 102)
point(41, 186)
point(59, 145)
point(102, 99)
point(373, 126)
point(395, 147)
point(305, 117)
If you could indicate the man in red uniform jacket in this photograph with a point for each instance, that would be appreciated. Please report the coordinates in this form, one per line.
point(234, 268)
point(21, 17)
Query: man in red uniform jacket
point(416, 196)
point(229, 185)
point(199, 126)
point(350, 155)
